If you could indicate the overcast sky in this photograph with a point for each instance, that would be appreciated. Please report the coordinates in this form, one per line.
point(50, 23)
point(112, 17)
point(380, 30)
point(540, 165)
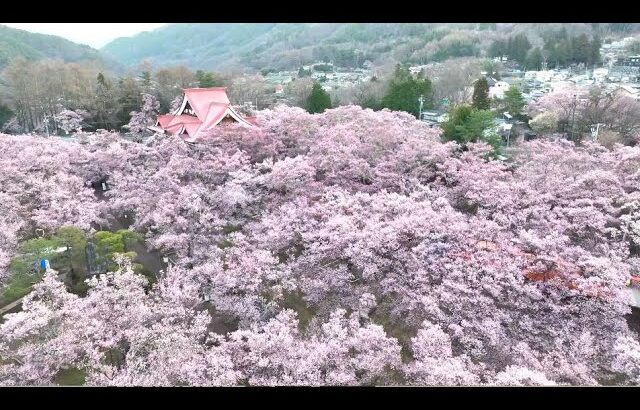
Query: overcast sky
point(95, 35)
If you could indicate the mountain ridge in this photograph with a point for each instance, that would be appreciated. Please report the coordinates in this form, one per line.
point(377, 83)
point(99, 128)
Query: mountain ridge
point(16, 43)
point(256, 46)
point(239, 47)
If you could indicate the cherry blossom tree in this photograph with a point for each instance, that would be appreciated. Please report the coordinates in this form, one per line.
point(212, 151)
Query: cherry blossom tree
point(176, 103)
point(69, 120)
point(147, 114)
point(346, 248)
point(582, 108)
point(12, 126)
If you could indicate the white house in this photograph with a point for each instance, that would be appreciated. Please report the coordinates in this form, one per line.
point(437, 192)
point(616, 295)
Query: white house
point(600, 74)
point(543, 76)
point(498, 89)
point(626, 90)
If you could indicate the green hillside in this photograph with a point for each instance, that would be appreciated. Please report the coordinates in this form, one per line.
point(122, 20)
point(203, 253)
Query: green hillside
point(16, 43)
point(265, 46)
point(277, 46)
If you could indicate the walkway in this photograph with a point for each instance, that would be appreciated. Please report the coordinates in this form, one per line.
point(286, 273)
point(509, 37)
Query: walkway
point(10, 306)
point(17, 302)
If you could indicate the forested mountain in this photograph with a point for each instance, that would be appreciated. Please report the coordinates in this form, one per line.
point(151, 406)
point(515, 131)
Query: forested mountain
point(278, 46)
point(197, 45)
point(16, 43)
point(262, 46)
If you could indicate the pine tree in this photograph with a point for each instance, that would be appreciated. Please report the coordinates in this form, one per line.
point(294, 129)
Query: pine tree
point(518, 46)
point(596, 43)
point(319, 100)
point(146, 78)
point(129, 98)
point(105, 105)
point(498, 48)
point(205, 79)
point(303, 73)
point(405, 91)
point(514, 101)
point(534, 59)
point(481, 94)
point(6, 114)
point(468, 124)
point(621, 27)
point(101, 79)
point(581, 49)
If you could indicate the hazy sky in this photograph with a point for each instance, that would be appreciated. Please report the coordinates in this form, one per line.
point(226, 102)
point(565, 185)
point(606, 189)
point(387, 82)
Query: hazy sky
point(95, 35)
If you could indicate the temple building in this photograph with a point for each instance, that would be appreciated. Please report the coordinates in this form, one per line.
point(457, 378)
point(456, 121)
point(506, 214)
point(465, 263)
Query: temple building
point(202, 109)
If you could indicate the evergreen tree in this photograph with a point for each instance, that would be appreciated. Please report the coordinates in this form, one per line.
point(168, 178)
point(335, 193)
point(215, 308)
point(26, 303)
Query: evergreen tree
point(534, 59)
point(303, 73)
point(146, 78)
point(562, 52)
point(404, 92)
point(498, 48)
point(206, 79)
point(319, 100)
point(492, 68)
point(101, 79)
point(514, 101)
point(487, 26)
point(581, 49)
point(596, 44)
point(562, 49)
point(481, 94)
point(549, 49)
point(5, 114)
point(371, 102)
point(129, 97)
point(518, 47)
point(621, 27)
point(104, 105)
point(467, 124)
point(562, 34)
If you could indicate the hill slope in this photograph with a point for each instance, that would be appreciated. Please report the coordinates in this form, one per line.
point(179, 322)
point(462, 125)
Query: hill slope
point(199, 45)
point(15, 43)
point(278, 46)
point(269, 45)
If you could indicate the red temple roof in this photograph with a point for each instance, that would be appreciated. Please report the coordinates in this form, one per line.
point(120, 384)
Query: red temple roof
point(210, 106)
point(252, 120)
point(183, 119)
point(164, 120)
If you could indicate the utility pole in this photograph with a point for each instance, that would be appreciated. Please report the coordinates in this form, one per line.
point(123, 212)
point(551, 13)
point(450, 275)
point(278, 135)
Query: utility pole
point(46, 125)
point(573, 115)
point(594, 133)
